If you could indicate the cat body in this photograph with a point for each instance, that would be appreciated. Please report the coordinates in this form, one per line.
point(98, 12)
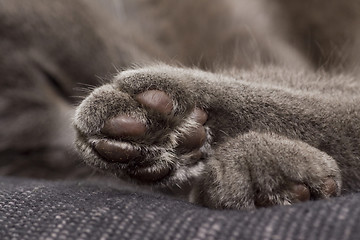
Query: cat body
point(258, 125)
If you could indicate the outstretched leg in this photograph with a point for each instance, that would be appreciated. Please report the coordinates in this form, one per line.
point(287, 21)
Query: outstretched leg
point(159, 125)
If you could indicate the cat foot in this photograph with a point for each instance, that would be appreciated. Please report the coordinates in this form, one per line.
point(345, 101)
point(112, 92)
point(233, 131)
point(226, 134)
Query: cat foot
point(265, 169)
point(125, 127)
point(147, 144)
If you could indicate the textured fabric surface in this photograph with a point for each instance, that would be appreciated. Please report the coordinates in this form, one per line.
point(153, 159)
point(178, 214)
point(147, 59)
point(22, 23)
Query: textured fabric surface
point(78, 210)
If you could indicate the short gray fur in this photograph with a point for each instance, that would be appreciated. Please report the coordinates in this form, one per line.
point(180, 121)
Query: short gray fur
point(278, 112)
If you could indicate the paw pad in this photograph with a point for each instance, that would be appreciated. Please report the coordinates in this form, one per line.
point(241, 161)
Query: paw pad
point(123, 126)
point(147, 175)
point(156, 100)
point(301, 193)
point(330, 187)
point(120, 152)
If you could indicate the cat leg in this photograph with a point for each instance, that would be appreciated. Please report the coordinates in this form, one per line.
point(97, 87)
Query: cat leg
point(133, 126)
point(264, 169)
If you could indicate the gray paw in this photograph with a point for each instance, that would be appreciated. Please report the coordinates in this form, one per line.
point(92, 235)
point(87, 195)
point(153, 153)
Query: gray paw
point(142, 136)
point(265, 169)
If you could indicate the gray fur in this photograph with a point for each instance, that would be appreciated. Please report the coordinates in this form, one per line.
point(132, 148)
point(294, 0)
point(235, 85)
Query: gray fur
point(278, 135)
point(274, 117)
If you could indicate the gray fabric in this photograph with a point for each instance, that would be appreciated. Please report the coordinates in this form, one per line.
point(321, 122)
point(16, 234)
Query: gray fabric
point(32, 209)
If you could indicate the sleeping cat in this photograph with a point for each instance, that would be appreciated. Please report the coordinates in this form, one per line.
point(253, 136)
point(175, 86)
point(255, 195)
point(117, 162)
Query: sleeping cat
point(223, 102)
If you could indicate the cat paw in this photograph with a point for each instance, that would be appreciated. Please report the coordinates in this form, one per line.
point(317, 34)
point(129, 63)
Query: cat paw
point(143, 134)
point(265, 169)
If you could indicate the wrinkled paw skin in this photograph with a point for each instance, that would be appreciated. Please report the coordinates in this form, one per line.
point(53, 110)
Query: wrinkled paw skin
point(139, 137)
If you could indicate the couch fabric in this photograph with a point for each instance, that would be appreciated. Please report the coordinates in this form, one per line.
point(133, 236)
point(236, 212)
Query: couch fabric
point(32, 209)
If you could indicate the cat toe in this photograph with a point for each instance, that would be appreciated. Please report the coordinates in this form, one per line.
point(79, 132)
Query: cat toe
point(199, 115)
point(196, 137)
point(331, 188)
point(156, 100)
point(118, 128)
point(193, 140)
point(151, 175)
point(123, 126)
point(116, 152)
point(300, 193)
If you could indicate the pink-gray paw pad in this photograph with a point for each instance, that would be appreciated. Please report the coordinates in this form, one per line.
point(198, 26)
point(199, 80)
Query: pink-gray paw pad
point(195, 138)
point(156, 100)
point(120, 152)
